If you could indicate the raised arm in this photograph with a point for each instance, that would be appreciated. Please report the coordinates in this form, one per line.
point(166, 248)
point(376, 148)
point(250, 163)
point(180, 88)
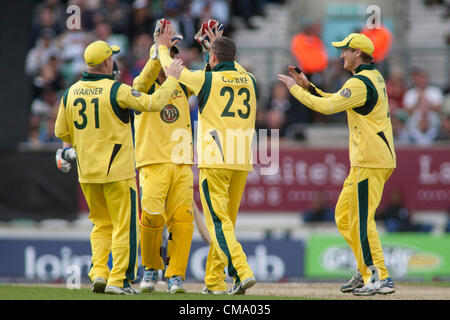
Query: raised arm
point(351, 95)
point(148, 75)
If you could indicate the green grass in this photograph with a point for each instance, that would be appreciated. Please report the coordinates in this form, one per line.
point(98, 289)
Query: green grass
point(18, 292)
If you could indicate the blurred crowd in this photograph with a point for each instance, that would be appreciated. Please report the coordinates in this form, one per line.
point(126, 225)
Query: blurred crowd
point(420, 111)
point(55, 58)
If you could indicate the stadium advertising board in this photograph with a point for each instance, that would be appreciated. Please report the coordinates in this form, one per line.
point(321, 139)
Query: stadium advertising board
point(406, 256)
point(52, 260)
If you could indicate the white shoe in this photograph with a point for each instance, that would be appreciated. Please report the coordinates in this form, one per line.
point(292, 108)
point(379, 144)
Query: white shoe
point(149, 280)
point(240, 287)
point(99, 285)
point(119, 290)
point(175, 285)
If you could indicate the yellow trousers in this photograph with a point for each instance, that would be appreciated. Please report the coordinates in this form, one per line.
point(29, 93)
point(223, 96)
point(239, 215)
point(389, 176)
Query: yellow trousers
point(113, 212)
point(355, 218)
point(167, 193)
point(221, 192)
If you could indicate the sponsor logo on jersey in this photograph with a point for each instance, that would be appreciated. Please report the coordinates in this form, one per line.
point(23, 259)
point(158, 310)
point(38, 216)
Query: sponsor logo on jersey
point(346, 93)
point(169, 113)
point(135, 93)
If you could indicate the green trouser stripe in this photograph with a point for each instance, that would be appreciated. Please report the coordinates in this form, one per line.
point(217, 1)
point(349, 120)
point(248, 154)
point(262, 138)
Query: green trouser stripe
point(133, 240)
point(220, 236)
point(363, 206)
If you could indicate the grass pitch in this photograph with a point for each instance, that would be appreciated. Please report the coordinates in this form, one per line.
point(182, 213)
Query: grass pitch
point(26, 292)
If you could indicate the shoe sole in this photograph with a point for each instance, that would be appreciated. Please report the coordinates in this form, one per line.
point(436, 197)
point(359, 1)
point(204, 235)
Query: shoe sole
point(387, 291)
point(249, 283)
point(364, 294)
point(179, 290)
point(146, 289)
point(99, 287)
point(350, 289)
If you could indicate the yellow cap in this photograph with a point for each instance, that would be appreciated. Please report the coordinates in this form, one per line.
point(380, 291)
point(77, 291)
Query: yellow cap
point(356, 41)
point(99, 51)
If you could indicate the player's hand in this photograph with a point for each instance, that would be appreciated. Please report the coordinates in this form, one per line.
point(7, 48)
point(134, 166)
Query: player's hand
point(300, 78)
point(209, 31)
point(288, 81)
point(63, 158)
point(161, 25)
point(167, 37)
point(174, 69)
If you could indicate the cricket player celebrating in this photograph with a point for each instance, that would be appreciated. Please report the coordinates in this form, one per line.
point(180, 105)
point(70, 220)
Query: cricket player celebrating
point(372, 156)
point(93, 116)
point(164, 158)
point(227, 108)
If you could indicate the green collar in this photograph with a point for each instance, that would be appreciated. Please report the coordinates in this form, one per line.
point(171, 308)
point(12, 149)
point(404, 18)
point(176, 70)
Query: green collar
point(364, 66)
point(225, 66)
point(94, 76)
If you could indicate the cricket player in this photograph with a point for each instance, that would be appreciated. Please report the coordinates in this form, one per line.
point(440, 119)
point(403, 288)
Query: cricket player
point(164, 156)
point(93, 116)
point(227, 108)
point(372, 156)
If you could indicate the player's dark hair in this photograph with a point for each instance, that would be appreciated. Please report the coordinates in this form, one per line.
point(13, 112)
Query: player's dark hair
point(224, 49)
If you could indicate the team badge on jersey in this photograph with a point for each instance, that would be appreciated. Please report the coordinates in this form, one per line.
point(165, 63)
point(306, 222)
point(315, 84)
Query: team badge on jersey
point(169, 113)
point(135, 93)
point(346, 93)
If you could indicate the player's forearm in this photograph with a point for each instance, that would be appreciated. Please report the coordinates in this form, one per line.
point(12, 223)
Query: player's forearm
point(321, 105)
point(148, 76)
point(192, 79)
point(160, 98)
point(317, 92)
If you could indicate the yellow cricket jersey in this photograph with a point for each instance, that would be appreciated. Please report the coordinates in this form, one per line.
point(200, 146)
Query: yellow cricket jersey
point(165, 136)
point(226, 116)
point(93, 116)
point(364, 98)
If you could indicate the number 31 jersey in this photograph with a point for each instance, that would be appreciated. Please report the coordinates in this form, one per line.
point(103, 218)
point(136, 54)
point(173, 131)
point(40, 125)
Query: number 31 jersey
point(94, 117)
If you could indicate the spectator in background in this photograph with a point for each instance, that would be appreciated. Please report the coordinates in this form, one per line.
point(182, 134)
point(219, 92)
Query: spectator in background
point(320, 210)
point(39, 55)
point(192, 57)
point(283, 111)
point(336, 75)
point(140, 53)
point(117, 14)
point(422, 94)
point(58, 9)
point(141, 19)
point(423, 126)
point(181, 21)
point(397, 217)
point(203, 10)
point(399, 119)
point(245, 9)
point(308, 49)
point(444, 132)
point(395, 89)
point(46, 20)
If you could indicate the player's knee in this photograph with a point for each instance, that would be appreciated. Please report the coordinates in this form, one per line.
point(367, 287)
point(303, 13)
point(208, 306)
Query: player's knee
point(152, 220)
point(184, 214)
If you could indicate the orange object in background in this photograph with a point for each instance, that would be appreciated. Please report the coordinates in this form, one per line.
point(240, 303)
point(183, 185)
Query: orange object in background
point(310, 53)
point(382, 41)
